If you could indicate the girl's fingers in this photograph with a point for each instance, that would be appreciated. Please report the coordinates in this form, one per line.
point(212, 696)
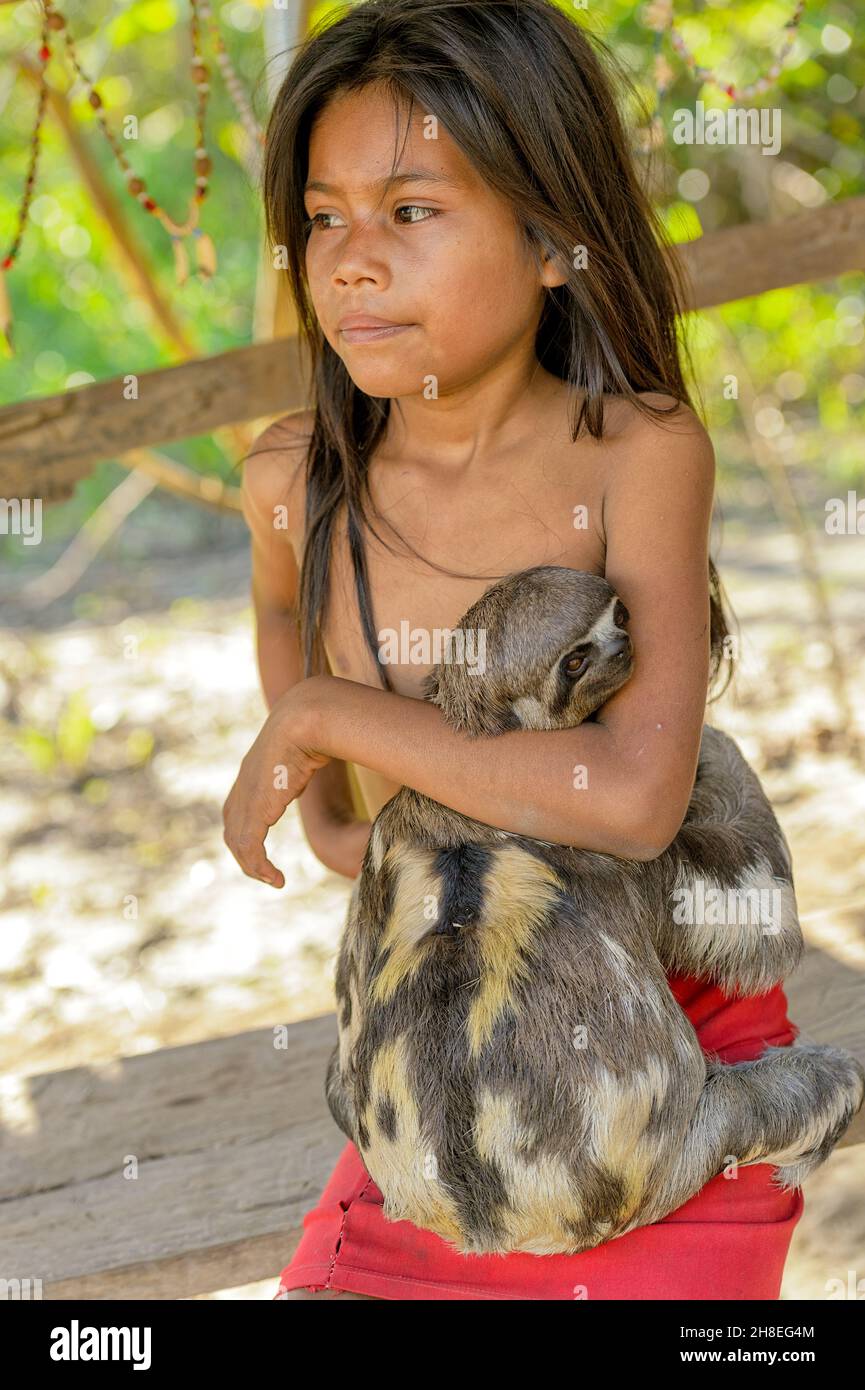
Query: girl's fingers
point(273, 875)
point(244, 831)
point(247, 846)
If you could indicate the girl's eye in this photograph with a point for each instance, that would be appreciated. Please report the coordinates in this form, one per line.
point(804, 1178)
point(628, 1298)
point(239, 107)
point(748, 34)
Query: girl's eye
point(415, 207)
point(314, 220)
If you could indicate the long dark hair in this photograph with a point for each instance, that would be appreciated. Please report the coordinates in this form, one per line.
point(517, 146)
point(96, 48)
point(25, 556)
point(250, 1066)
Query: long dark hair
point(523, 92)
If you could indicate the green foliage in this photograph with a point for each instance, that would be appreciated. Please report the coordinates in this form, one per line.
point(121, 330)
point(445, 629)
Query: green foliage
point(68, 745)
point(78, 313)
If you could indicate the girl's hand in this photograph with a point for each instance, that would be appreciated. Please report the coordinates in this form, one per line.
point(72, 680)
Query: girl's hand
point(274, 772)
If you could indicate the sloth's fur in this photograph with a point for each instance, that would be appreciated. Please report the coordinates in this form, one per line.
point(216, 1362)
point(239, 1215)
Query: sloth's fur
point(512, 1065)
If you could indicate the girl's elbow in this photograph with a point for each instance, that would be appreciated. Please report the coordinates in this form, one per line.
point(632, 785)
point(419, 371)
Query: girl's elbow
point(644, 852)
point(655, 827)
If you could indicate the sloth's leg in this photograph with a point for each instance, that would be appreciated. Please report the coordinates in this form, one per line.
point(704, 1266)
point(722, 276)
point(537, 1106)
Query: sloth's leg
point(806, 1094)
point(722, 895)
point(788, 1107)
point(738, 928)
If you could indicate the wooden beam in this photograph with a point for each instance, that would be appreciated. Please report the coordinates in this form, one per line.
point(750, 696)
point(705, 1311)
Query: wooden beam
point(47, 444)
point(760, 256)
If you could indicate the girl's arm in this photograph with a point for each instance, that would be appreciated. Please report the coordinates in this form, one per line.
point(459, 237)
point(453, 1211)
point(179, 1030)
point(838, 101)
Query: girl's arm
point(641, 754)
point(271, 475)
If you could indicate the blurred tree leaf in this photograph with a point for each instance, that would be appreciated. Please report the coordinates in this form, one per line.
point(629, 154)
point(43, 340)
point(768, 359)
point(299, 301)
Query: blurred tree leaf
point(75, 731)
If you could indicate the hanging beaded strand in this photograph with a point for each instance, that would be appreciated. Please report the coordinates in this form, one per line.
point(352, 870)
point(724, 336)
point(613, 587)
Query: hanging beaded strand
point(762, 84)
point(27, 197)
point(233, 84)
point(205, 250)
point(135, 185)
point(659, 16)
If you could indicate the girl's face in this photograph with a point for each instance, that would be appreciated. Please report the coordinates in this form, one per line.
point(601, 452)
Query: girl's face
point(435, 252)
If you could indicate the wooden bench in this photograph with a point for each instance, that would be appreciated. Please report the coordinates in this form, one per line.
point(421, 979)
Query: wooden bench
point(233, 1142)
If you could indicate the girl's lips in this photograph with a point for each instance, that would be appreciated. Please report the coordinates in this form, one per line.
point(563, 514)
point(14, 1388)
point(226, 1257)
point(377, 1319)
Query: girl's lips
point(371, 335)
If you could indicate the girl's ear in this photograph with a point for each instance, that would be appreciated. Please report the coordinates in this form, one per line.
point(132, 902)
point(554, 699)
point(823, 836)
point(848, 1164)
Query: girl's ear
point(553, 269)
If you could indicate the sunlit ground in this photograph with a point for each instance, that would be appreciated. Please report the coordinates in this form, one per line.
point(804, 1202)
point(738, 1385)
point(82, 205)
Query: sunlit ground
point(125, 925)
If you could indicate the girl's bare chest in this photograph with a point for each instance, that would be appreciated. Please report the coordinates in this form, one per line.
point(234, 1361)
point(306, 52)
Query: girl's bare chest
point(478, 537)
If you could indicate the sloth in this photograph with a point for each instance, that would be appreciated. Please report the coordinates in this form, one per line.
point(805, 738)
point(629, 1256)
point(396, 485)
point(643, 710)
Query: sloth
point(512, 1065)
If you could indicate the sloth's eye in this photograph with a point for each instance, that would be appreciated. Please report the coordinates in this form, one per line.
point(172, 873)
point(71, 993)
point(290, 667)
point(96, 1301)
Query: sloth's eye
point(620, 614)
point(575, 663)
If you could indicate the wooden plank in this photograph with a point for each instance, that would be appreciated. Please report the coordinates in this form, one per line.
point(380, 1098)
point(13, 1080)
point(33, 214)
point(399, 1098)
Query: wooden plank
point(234, 1143)
point(47, 444)
point(826, 995)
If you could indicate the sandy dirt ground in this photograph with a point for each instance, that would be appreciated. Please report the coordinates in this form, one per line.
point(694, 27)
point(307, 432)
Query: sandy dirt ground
point(125, 924)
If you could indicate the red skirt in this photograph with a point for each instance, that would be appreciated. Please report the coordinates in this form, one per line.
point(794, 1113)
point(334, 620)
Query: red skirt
point(728, 1241)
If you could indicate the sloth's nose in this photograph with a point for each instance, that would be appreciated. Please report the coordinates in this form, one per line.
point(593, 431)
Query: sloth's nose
point(617, 645)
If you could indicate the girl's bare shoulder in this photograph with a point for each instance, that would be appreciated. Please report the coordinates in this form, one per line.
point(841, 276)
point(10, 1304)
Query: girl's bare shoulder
point(274, 473)
point(624, 421)
point(661, 479)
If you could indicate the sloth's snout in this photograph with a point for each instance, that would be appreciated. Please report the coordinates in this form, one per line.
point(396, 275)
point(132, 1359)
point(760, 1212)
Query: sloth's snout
point(617, 646)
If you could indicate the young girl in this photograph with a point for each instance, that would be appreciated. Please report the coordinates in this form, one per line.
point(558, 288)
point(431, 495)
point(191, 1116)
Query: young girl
point(496, 382)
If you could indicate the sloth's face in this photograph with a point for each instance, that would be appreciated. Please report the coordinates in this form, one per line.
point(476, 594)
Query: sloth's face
point(601, 663)
point(583, 675)
point(555, 649)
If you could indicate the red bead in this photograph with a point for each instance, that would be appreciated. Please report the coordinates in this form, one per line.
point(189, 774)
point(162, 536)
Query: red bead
point(45, 53)
point(149, 204)
point(6, 264)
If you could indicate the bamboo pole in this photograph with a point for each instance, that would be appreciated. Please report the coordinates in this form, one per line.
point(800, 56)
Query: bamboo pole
point(202, 488)
point(771, 463)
